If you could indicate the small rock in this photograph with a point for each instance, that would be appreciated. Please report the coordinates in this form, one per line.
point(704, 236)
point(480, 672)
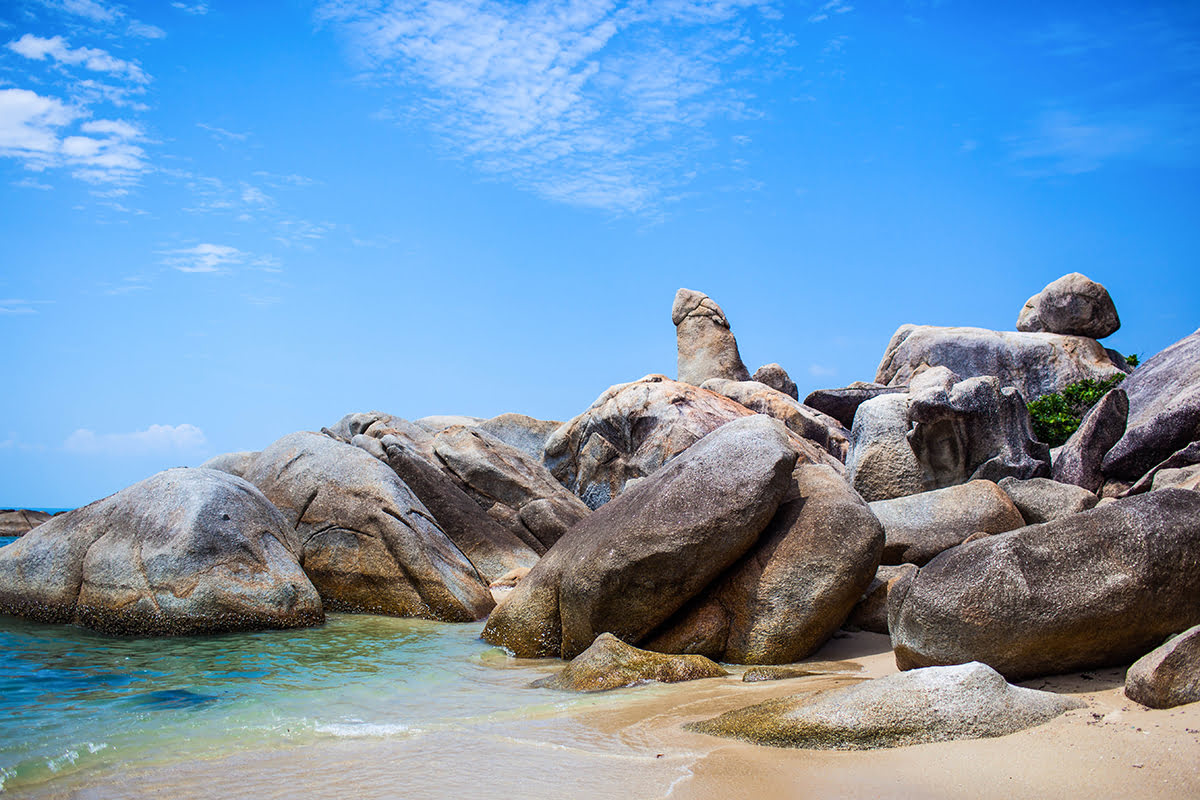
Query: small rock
point(1073, 305)
point(1168, 676)
point(609, 663)
point(776, 377)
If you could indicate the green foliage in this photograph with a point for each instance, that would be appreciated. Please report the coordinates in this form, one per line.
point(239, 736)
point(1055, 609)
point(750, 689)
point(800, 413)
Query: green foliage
point(1132, 360)
point(1056, 416)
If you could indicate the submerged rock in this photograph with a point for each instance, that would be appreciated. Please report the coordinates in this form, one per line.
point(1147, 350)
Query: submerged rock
point(784, 672)
point(186, 551)
point(937, 704)
point(1169, 675)
point(609, 663)
point(1073, 305)
point(707, 347)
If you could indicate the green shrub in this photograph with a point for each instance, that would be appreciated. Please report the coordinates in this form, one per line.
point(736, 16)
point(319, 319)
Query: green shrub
point(1133, 360)
point(1056, 416)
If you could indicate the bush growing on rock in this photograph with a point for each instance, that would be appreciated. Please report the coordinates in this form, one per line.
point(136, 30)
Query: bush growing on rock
point(1057, 415)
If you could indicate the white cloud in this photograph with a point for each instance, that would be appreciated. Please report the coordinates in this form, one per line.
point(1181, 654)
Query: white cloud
point(144, 30)
point(198, 9)
point(29, 123)
point(32, 183)
point(90, 9)
point(94, 59)
point(830, 9)
point(821, 371)
point(211, 258)
point(1064, 143)
point(155, 439)
point(220, 134)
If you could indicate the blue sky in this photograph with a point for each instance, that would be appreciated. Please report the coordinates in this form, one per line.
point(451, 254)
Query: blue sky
point(223, 222)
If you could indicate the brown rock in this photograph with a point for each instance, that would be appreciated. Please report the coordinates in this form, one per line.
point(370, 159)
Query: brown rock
point(776, 377)
point(1169, 675)
point(707, 348)
point(799, 418)
point(609, 663)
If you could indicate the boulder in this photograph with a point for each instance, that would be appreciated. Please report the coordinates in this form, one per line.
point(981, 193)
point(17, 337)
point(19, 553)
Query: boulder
point(787, 672)
point(1073, 305)
point(634, 562)
point(1044, 500)
point(1177, 468)
point(1182, 478)
point(871, 612)
point(439, 422)
point(492, 549)
point(524, 433)
point(880, 463)
point(841, 404)
point(776, 377)
point(232, 463)
point(1169, 675)
point(1086, 591)
point(707, 348)
point(376, 424)
point(514, 489)
point(1164, 411)
point(794, 588)
point(1035, 363)
point(609, 663)
point(800, 419)
point(1078, 460)
point(937, 704)
point(367, 543)
point(919, 526)
point(20, 521)
point(186, 551)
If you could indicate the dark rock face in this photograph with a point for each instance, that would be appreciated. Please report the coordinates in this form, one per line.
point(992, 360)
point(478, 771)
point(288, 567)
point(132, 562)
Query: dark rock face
point(1043, 500)
point(20, 521)
point(920, 526)
point(1078, 460)
point(841, 404)
point(936, 704)
point(805, 422)
point(1035, 363)
point(367, 542)
point(1090, 590)
point(186, 551)
point(635, 561)
point(609, 663)
point(1164, 411)
point(776, 377)
point(707, 348)
point(1175, 470)
point(794, 588)
point(871, 612)
point(1073, 305)
point(1167, 676)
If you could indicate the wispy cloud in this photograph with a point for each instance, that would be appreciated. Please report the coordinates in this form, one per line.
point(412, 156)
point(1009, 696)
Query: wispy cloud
point(13, 306)
point(154, 439)
point(92, 58)
point(832, 8)
point(222, 135)
point(198, 9)
point(589, 102)
point(1065, 143)
point(88, 9)
point(143, 30)
point(210, 258)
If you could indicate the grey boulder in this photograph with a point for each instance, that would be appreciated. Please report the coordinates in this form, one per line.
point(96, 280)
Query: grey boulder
point(1044, 500)
point(776, 377)
point(232, 463)
point(377, 424)
point(1079, 459)
point(842, 404)
point(800, 419)
point(1169, 675)
point(1073, 305)
point(707, 348)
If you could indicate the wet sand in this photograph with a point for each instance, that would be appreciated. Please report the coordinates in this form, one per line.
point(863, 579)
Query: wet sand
point(632, 746)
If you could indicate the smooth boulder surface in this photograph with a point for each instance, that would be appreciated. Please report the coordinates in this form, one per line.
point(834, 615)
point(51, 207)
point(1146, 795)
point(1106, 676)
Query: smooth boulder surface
point(514, 489)
point(842, 404)
point(1164, 410)
point(367, 542)
point(1044, 500)
point(1078, 460)
point(526, 434)
point(609, 663)
point(20, 521)
point(920, 526)
point(870, 614)
point(635, 561)
point(233, 463)
point(1090, 590)
point(1177, 468)
point(1073, 305)
point(1035, 363)
point(937, 704)
point(794, 588)
point(786, 672)
point(1184, 478)
point(776, 377)
point(799, 418)
point(439, 422)
point(707, 347)
point(1169, 675)
point(881, 463)
point(186, 551)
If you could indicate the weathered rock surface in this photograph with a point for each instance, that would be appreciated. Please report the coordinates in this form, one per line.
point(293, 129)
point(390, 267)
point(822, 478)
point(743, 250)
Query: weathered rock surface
point(920, 526)
point(1044, 500)
point(800, 419)
point(232, 463)
point(439, 422)
point(1090, 590)
point(937, 704)
point(526, 434)
point(1183, 478)
point(635, 561)
point(1178, 468)
point(185, 551)
point(367, 542)
point(870, 614)
point(707, 347)
point(1164, 410)
point(1169, 675)
point(794, 588)
point(1078, 460)
point(376, 424)
point(514, 489)
point(1073, 305)
point(881, 463)
point(1034, 363)
point(841, 404)
point(20, 521)
point(776, 377)
point(609, 663)
point(788, 671)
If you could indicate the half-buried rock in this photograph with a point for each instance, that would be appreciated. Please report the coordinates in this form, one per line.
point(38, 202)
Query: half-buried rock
point(610, 664)
point(938, 704)
point(186, 551)
point(367, 542)
point(635, 561)
point(1167, 676)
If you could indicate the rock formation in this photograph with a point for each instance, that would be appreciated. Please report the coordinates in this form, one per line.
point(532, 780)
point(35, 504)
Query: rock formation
point(1073, 305)
point(1044, 500)
point(609, 663)
point(841, 404)
point(776, 377)
point(707, 348)
point(800, 419)
point(1078, 460)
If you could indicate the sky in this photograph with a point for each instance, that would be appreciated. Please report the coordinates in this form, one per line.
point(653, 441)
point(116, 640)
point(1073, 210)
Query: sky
point(221, 222)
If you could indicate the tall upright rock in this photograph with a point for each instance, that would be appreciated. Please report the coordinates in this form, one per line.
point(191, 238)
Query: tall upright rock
point(707, 347)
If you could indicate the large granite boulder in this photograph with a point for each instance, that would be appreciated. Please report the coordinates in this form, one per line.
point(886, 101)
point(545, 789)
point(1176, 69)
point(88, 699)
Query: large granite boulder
point(1035, 363)
point(186, 551)
point(609, 663)
point(1169, 675)
point(514, 489)
point(377, 424)
point(937, 704)
point(1043, 500)
point(841, 404)
point(1078, 460)
point(919, 526)
point(20, 521)
point(526, 434)
point(367, 542)
point(1164, 410)
point(1073, 305)
point(795, 586)
point(707, 348)
point(881, 463)
point(634, 562)
point(492, 549)
point(799, 418)
point(232, 463)
point(776, 377)
point(1090, 590)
